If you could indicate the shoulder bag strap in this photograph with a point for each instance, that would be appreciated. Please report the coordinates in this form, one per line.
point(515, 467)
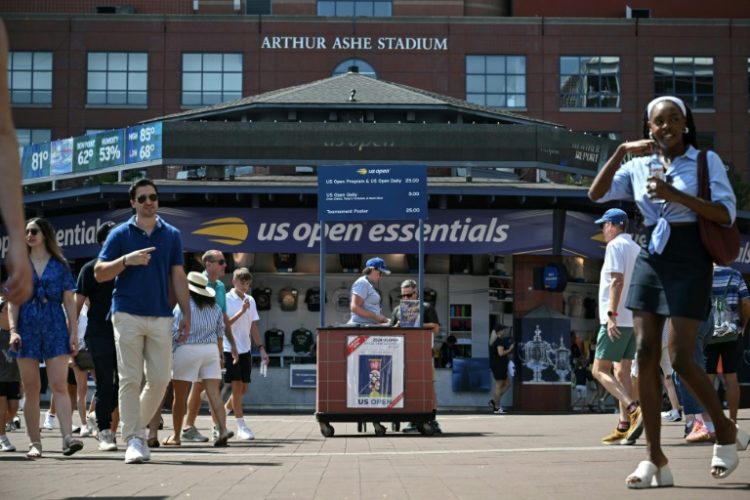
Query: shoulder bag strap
point(704, 189)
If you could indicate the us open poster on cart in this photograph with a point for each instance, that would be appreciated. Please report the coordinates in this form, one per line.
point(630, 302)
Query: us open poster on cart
point(375, 371)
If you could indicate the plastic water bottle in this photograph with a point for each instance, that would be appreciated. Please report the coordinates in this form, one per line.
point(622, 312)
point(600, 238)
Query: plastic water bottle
point(656, 169)
point(263, 368)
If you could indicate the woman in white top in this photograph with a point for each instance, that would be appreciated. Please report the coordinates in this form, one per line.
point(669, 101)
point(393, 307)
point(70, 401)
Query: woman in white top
point(196, 356)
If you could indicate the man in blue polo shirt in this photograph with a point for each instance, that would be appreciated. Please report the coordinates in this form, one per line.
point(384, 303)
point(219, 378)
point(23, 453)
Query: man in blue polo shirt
point(143, 256)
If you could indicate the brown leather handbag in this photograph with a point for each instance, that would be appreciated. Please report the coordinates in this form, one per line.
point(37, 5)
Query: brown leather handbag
point(721, 242)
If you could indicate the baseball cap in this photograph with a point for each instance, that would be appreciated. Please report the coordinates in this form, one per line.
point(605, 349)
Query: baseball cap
point(613, 215)
point(377, 263)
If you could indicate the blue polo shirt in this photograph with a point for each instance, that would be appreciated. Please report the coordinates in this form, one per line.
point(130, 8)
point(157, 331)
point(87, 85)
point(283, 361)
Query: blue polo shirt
point(144, 290)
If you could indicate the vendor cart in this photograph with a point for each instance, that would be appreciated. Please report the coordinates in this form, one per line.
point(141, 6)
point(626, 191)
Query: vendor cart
point(375, 374)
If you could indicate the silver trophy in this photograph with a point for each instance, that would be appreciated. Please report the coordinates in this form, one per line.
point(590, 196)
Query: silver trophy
point(560, 356)
point(536, 355)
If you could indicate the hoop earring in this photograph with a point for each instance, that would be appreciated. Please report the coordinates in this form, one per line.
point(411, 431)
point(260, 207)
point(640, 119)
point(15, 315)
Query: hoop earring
point(650, 135)
point(686, 130)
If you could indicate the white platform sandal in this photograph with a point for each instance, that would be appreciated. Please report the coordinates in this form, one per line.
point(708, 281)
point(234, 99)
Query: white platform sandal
point(742, 439)
point(650, 476)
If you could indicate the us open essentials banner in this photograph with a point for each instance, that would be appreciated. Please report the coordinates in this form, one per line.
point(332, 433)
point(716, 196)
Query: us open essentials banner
point(375, 371)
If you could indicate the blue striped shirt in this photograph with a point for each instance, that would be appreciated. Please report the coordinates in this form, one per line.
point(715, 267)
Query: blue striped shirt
point(206, 324)
point(729, 283)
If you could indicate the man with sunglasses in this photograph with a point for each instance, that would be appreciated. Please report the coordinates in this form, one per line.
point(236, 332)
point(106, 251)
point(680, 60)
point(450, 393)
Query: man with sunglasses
point(144, 257)
point(430, 320)
point(214, 265)
point(615, 343)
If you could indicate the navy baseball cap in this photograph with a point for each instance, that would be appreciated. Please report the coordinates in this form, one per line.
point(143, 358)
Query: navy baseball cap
point(377, 263)
point(613, 215)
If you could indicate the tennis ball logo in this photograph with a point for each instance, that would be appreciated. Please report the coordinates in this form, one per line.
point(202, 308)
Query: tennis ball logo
point(226, 230)
point(362, 171)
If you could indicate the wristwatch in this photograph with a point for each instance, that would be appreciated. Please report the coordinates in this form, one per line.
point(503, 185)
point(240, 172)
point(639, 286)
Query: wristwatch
point(611, 314)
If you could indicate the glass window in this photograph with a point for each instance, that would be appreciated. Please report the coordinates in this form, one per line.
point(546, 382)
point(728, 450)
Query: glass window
point(689, 78)
point(30, 77)
point(497, 81)
point(211, 78)
point(355, 65)
point(117, 78)
point(26, 136)
point(589, 82)
point(349, 8)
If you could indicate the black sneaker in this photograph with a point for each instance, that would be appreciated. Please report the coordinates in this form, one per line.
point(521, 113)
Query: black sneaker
point(435, 427)
point(492, 405)
point(411, 428)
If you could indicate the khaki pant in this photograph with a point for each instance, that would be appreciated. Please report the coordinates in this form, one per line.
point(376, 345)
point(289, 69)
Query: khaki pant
point(141, 340)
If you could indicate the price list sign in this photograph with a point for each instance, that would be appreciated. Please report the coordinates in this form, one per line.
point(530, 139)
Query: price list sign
point(96, 151)
point(35, 161)
point(372, 192)
point(144, 142)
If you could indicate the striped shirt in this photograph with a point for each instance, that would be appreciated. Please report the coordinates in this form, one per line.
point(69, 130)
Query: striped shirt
point(729, 283)
point(206, 324)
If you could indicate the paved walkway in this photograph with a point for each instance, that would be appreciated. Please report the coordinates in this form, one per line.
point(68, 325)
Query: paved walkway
point(478, 456)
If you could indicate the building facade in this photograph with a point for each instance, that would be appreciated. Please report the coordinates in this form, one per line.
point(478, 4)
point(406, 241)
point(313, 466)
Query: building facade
point(79, 66)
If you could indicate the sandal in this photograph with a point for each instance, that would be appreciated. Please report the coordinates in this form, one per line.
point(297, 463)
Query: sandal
point(35, 450)
point(152, 442)
point(171, 441)
point(725, 457)
point(742, 439)
point(71, 445)
point(650, 476)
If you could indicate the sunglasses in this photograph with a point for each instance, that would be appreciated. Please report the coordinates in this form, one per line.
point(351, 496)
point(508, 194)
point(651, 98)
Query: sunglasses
point(32, 231)
point(404, 295)
point(142, 198)
point(221, 262)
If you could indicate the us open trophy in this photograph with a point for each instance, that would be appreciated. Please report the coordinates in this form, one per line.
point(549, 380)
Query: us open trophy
point(560, 357)
point(536, 355)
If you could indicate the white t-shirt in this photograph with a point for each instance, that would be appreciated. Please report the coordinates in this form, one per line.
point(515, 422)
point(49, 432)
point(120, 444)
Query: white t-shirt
point(619, 257)
point(242, 327)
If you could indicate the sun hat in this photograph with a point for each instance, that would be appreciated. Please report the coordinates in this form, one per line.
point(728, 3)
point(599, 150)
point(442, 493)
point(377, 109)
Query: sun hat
point(198, 283)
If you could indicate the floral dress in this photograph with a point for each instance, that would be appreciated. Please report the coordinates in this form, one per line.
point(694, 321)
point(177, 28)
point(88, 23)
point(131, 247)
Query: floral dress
point(41, 320)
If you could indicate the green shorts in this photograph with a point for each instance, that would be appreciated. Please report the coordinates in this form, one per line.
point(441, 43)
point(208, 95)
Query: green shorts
point(622, 348)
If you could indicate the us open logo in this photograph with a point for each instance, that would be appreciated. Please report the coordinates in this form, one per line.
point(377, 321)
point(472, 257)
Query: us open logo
point(226, 230)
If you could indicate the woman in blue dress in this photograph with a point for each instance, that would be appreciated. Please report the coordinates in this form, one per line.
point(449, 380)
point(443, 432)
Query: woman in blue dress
point(673, 275)
point(42, 331)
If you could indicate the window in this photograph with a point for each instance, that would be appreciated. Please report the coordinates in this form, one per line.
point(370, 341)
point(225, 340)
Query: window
point(355, 66)
point(30, 77)
point(589, 82)
point(613, 136)
point(117, 79)
point(498, 81)
point(689, 78)
point(26, 136)
point(211, 78)
point(748, 78)
point(352, 8)
point(706, 140)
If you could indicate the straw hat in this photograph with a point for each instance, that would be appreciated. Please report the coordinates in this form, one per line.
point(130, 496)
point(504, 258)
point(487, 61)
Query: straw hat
point(198, 283)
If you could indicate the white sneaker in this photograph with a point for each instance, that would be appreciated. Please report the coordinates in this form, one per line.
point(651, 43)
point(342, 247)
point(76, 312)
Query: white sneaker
point(92, 424)
point(49, 422)
point(244, 434)
point(134, 453)
point(671, 416)
point(85, 431)
point(107, 441)
point(6, 445)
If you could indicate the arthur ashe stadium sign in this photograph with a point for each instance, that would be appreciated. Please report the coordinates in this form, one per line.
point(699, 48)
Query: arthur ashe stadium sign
point(354, 43)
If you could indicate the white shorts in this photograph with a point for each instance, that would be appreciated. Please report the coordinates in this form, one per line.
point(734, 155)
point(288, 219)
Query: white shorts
point(194, 362)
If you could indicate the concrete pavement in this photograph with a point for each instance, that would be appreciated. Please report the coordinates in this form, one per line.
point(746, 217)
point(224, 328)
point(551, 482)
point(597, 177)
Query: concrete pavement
point(478, 456)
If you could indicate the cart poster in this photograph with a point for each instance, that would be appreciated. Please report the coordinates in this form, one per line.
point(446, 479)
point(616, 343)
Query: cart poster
point(375, 371)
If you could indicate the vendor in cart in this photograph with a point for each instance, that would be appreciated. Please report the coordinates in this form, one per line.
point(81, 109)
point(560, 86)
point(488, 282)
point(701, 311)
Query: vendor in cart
point(365, 302)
